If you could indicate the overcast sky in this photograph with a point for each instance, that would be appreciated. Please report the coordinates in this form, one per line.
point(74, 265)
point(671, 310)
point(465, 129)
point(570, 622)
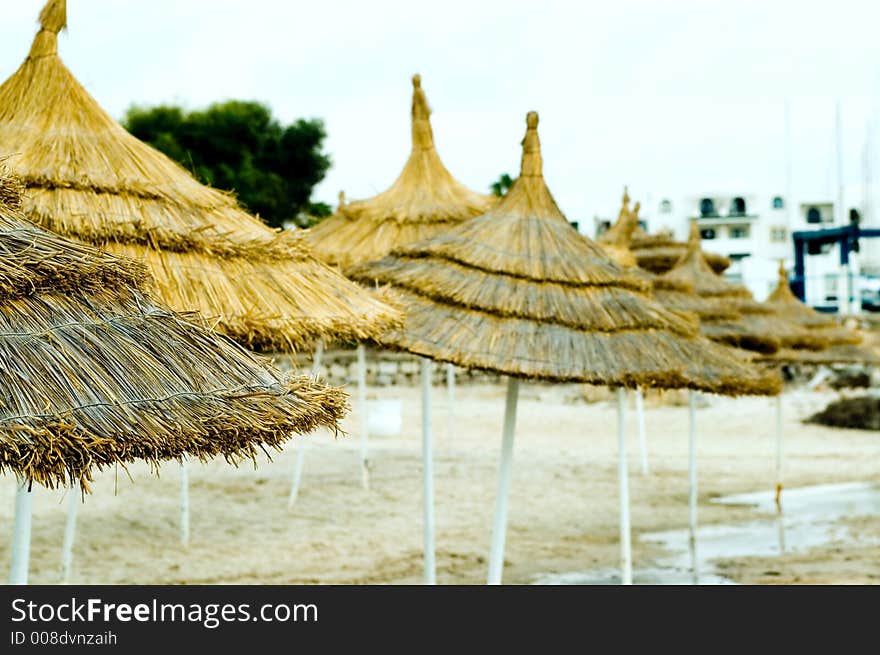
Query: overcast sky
point(679, 96)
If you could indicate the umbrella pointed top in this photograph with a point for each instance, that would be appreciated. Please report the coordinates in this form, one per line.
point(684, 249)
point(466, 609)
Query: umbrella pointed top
point(53, 19)
point(532, 164)
point(782, 294)
point(422, 135)
point(424, 200)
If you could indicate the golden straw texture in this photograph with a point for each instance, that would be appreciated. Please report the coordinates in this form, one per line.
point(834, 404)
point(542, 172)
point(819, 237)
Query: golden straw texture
point(616, 244)
point(783, 302)
point(728, 313)
point(660, 252)
point(93, 374)
point(425, 200)
point(86, 178)
point(518, 291)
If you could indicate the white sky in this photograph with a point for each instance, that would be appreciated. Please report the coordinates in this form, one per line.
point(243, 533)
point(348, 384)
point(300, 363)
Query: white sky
point(679, 96)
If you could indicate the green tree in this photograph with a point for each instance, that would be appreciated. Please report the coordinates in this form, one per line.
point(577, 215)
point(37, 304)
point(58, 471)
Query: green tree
point(238, 146)
point(501, 185)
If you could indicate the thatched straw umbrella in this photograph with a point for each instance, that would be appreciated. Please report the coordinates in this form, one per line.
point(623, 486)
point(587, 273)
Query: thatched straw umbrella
point(616, 244)
point(659, 252)
point(88, 179)
point(830, 343)
point(518, 292)
point(93, 374)
point(728, 313)
point(425, 200)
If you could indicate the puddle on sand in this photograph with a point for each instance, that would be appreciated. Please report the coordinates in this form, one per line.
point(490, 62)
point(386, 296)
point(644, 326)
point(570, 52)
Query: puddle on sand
point(808, 520)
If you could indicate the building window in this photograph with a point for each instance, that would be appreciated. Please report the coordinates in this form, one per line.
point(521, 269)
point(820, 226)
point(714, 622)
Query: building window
point(738, 207)
point(778, 234)
point(739, 232)
point(778, 202)
point(707, 233)
point(814, 215)
point(665, 206)
point(830, 287)
point(707, 207)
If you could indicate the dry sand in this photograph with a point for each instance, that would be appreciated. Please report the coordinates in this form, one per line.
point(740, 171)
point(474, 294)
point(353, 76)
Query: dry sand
point(563, 507)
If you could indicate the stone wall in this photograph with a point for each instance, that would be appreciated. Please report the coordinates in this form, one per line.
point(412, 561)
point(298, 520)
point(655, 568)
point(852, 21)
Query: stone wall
point(384, 368)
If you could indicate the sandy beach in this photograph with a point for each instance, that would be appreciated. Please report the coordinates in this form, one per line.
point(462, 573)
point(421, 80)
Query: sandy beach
point(563, 506)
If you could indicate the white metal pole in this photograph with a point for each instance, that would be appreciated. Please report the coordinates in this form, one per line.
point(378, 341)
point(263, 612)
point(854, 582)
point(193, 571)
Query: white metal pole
point(623, 482)
point(362, 399)
point(779, 453)
point(640, 422)
point(428, 474)
point(184, 502)
point(450, 396)
point(303, 444)
point(69, 533)
point(692, 483)
point(499, 528)
point(780, 530)
point(21, 535)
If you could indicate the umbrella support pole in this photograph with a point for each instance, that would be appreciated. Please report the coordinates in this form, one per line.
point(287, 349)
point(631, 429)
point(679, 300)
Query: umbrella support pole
point(779, 452)
point(692, 484)
point(362, 402)
point(21, 535)
point(450, 396)
point(640, 424)
point(302, 446)
point(428, 474)
point(184, 502)
point(499, 528)
point(73, 503)
point(623, 484)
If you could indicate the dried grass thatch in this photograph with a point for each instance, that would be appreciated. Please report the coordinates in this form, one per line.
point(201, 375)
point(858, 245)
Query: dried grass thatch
point(616, 244)
point(823, 326)
point(728, 313)
point(839, 354)
point(90, 180)
point(425, 200)
point(93, 374)
point(519, 292)
point(658, 253)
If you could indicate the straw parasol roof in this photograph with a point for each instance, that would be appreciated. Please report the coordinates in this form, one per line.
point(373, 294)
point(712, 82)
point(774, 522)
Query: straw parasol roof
point(660, 252)
point(93, 374)
point(425, 200)
point(518, 291)
point(839, 345)
point(728, 313)
point(616, 243)
point(785, 303)
point(88, 179)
